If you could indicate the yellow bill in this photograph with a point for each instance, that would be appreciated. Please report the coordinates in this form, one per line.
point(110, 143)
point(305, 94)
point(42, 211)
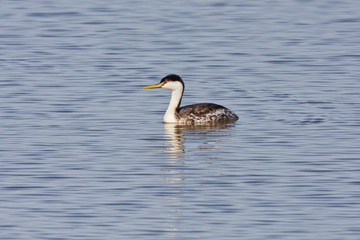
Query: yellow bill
point(154, 86)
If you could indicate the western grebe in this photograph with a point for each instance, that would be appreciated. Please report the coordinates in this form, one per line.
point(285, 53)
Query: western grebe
point(190, 114)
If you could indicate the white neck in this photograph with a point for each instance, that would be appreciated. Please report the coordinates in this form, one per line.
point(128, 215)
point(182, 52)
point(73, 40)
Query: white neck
point(170, 115)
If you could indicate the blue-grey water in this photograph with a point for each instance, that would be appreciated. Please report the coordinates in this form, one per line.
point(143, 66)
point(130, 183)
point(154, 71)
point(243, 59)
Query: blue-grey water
point(84, 153)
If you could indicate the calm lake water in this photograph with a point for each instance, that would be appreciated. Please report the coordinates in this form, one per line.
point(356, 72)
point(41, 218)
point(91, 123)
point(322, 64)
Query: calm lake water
point(84, 153)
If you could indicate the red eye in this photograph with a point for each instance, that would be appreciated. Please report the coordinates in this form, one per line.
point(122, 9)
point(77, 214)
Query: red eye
point(165, 82)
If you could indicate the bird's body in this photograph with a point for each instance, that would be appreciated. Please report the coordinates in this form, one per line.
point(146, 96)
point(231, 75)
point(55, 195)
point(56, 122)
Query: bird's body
point(190, 114)
point(205, 112)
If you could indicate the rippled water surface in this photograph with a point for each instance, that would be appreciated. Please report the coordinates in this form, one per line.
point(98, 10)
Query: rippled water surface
point(84, 153)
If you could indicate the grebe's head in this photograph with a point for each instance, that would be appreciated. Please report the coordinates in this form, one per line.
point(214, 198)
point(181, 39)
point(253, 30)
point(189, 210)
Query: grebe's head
point(171, 82)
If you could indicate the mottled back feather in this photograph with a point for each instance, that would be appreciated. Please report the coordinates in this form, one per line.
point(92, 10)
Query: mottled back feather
point(204, 112)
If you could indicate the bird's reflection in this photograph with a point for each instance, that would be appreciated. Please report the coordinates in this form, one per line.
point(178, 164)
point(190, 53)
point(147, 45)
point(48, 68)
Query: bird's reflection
point(176, 135)
point(174, 169)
